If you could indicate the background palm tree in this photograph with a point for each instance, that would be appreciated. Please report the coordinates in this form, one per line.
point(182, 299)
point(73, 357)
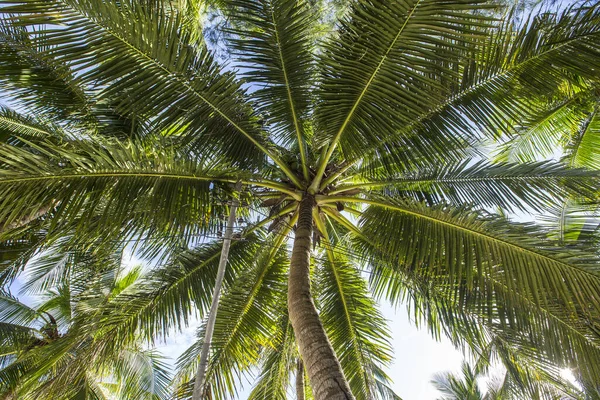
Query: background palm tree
point(482, 380)
point(367, 141)
point(49, 350)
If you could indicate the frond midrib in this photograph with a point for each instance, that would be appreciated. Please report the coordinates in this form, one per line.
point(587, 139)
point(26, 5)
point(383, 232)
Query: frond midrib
point(315, 184)
point(504, 242)
point(141, 174)
point(288, 88)
point(417, 181)
point(190, 89)
point(10, 121)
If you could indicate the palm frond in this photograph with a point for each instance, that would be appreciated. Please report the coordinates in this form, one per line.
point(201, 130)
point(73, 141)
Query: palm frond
point(468, 245)
point(165, 299)
point(15, 312)
point(58, 266)
point(503, 78)
point(582, 150)
point(458, 387)
point(36, 81)
point(14, 126)
point(355, 327)
point(246, 320)
point(112, 189)
point(379, 59)
point(539, 339)
point(16, 252)
point(60, 360)
point(189, 89)
point(142, 374)
point(533, 186)
point(275, 48)
point(541, 136)
point(483, 259)
point(277, 365)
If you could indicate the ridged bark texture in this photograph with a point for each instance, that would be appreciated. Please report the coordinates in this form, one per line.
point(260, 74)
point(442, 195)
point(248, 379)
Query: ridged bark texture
point(324, 371)
point(300, 381)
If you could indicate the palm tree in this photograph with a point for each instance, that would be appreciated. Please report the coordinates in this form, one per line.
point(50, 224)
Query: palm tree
point(367, 141)
point(514, 382)
point(45, 348)
point(462, 387)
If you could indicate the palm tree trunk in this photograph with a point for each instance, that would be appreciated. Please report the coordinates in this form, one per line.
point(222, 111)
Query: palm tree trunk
point(300, 381)
point(198, 392)
point(322, 366)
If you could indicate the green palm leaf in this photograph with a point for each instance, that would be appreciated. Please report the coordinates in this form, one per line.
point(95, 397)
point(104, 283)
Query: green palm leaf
point(278, 365)
point(378, 69)
point(540, 137)
point(583, 148)
point(246, 320)
point(534, 333)
point(35, 80)
point(501, 78)
point(510, 186)
point(189, 88)
point(167, 297)
point(103, 185)
point(461, 245)
point(275, 47)
point(356, 328)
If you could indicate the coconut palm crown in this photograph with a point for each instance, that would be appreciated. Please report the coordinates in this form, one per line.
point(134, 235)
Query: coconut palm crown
point(363, 143)
point(44, 334)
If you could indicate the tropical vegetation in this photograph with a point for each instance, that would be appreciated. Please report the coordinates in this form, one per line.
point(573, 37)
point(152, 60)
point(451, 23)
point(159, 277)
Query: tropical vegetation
point(47, 337)
point(392, 149)
point(482, 380)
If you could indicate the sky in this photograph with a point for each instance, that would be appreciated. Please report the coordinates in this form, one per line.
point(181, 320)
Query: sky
point(417, 357)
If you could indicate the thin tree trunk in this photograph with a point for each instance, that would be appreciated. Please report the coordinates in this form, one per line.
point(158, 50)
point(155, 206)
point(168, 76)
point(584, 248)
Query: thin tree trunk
point(300, 381)
point(199, 384)
point(322, 366)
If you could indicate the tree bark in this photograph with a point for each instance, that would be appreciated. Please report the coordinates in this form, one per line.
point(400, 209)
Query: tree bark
point(322, 366)
point(300, 381)
point(199, 385)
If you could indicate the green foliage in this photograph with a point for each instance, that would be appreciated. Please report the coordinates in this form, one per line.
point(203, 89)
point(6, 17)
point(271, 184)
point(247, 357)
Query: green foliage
point(356, 328)
point(49, 351)
point(122, 131)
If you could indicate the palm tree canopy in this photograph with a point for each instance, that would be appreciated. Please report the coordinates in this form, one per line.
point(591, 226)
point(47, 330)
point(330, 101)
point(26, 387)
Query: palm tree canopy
point(48, 346)
point(125, 128)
